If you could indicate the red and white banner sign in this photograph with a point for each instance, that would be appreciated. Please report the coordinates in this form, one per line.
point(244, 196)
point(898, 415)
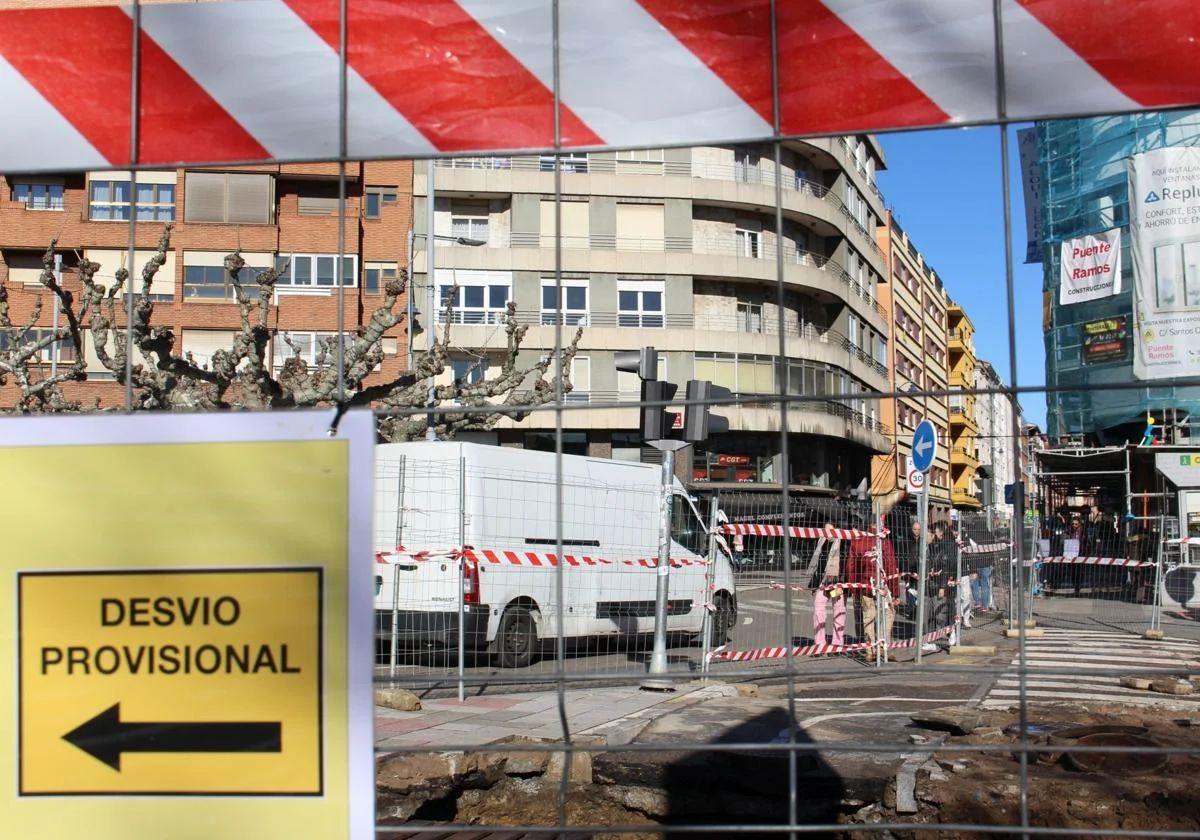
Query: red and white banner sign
point(248, 80)
point(1090, 267)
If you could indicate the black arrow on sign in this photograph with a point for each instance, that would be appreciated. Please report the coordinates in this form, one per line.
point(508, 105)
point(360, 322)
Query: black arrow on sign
point(105, 737)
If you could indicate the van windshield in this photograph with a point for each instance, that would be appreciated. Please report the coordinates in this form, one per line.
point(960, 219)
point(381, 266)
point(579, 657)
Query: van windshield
point(686, 528)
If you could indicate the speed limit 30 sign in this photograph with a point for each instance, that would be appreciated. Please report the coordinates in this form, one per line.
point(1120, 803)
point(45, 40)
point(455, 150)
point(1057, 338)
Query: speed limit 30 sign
point(917, 481)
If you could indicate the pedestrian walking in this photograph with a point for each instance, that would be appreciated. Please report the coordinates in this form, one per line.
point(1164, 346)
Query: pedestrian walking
point(825, 582)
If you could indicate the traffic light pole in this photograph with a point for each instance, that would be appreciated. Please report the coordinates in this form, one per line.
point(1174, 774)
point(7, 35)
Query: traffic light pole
point(657, 680)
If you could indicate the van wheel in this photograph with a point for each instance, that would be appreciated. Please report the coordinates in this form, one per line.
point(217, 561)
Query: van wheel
point(723, 619)
point(516, 638)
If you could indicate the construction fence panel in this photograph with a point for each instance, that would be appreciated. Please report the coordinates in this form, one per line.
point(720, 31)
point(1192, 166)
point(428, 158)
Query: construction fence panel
point(842, 582)
point(1095, 571)
point(986, 571)
point(475, 568)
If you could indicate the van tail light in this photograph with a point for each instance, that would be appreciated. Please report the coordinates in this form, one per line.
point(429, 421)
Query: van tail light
point(470, 582)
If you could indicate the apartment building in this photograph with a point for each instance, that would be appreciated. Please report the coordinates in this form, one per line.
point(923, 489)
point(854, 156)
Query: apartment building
point(997, 453)
point(676, 249)
point(964, 427)
point(275, 215)
point(915, 300)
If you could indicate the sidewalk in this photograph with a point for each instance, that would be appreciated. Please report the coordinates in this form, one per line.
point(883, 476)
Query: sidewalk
point(610, 711)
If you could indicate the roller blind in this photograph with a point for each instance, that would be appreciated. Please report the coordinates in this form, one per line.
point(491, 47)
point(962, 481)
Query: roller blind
point(112, 259)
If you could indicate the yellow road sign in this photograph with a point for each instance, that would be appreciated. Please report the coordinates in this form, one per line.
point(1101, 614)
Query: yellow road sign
point(178, 650)
point(170, 681)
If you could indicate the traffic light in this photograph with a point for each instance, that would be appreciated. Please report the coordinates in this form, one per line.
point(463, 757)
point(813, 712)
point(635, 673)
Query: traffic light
point(656, 420)
point(698, 421)
point(643, 362)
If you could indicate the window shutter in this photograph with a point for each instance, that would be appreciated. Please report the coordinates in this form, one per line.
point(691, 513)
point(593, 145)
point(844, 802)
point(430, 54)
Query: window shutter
point(250, 199)
point(204, 197)
point(314, 205)
point(202, 344)
point(640, 226)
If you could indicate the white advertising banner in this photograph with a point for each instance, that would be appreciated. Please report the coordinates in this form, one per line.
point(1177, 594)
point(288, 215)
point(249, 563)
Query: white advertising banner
point(1090, 267)
point(1164, 226)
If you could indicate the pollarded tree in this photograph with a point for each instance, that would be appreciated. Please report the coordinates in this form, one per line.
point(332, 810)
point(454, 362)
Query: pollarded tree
point(242, 376)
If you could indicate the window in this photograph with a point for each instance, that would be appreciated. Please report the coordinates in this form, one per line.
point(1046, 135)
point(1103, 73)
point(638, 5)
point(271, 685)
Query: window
point(63, 348)
point(376, 276)
point(376, 198)
point(638, 161)
point(108, 200)
point(479, 298)
point(747, 236)
point(469, 219)
point(739, 372)
point(640, 227)
point(202, 345)
point(746, 166)
point(750, 317)
point(568, 162)
point(38, 195)
point(205, 278)
point(229, 198)
point(316, 198)
point(309, 347)
point(581, 380)
point(468, 371)
point(574, 224)
point(852, 331)
point(574, 302)
point(162, 287)
point(686, 529)
point(315, 270)
point(640, 303)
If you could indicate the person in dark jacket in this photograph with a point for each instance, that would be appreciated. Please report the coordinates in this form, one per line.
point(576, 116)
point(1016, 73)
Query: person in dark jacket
point(941, 564)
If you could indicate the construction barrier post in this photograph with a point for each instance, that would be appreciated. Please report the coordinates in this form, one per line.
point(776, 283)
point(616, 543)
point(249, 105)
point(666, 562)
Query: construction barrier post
point(707, 624)
point(1155, 631)
point(462, 577)
point(395, 624)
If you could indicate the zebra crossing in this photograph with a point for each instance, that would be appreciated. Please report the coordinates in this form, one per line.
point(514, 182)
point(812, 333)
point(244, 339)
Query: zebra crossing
point(1086, 666)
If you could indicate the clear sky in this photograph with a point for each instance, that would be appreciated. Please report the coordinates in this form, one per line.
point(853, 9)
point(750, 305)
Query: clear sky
point(945, 190)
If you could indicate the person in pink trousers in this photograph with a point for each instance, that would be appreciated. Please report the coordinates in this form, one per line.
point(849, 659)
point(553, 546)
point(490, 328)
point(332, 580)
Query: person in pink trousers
point(826, 576)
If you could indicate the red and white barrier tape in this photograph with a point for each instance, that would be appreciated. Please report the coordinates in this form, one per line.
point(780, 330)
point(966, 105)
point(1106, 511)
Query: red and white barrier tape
point(764, 530)
point(1094, 561)
point(785, 652)
point(975, 548)
point(530, 559)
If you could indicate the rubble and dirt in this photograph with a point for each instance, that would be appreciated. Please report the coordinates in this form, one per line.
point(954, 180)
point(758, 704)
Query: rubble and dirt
point(669, 787)
point(1085, 791)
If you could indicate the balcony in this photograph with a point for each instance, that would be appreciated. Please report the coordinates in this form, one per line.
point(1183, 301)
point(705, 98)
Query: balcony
point(963, 498)
point(963, 417)
point(964, 456)
point(960, 342)
point(700, 180)
point(792, 328)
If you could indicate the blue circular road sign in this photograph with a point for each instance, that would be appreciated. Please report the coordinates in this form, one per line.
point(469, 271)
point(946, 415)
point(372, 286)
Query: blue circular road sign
point(924, 446)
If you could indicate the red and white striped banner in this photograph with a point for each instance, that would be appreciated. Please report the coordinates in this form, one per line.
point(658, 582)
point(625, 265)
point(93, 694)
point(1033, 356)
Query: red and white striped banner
point(1095, 561)
point(762, 530)
point(243, 80)
point(786, 652)
point(527, 559)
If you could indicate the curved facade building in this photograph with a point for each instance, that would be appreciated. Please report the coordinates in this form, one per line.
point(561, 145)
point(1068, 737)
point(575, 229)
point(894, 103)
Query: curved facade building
point(676, 249)
point(1083, 167)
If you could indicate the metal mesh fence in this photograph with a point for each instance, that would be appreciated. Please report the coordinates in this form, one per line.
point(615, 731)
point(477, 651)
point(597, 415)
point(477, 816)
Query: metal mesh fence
point(527, 586)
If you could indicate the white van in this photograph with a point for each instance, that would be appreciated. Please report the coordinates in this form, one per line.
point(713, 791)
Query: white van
point(498, 505)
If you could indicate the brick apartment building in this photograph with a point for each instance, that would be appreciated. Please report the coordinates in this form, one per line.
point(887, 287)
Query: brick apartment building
point(916, 302)
point(270, 212)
